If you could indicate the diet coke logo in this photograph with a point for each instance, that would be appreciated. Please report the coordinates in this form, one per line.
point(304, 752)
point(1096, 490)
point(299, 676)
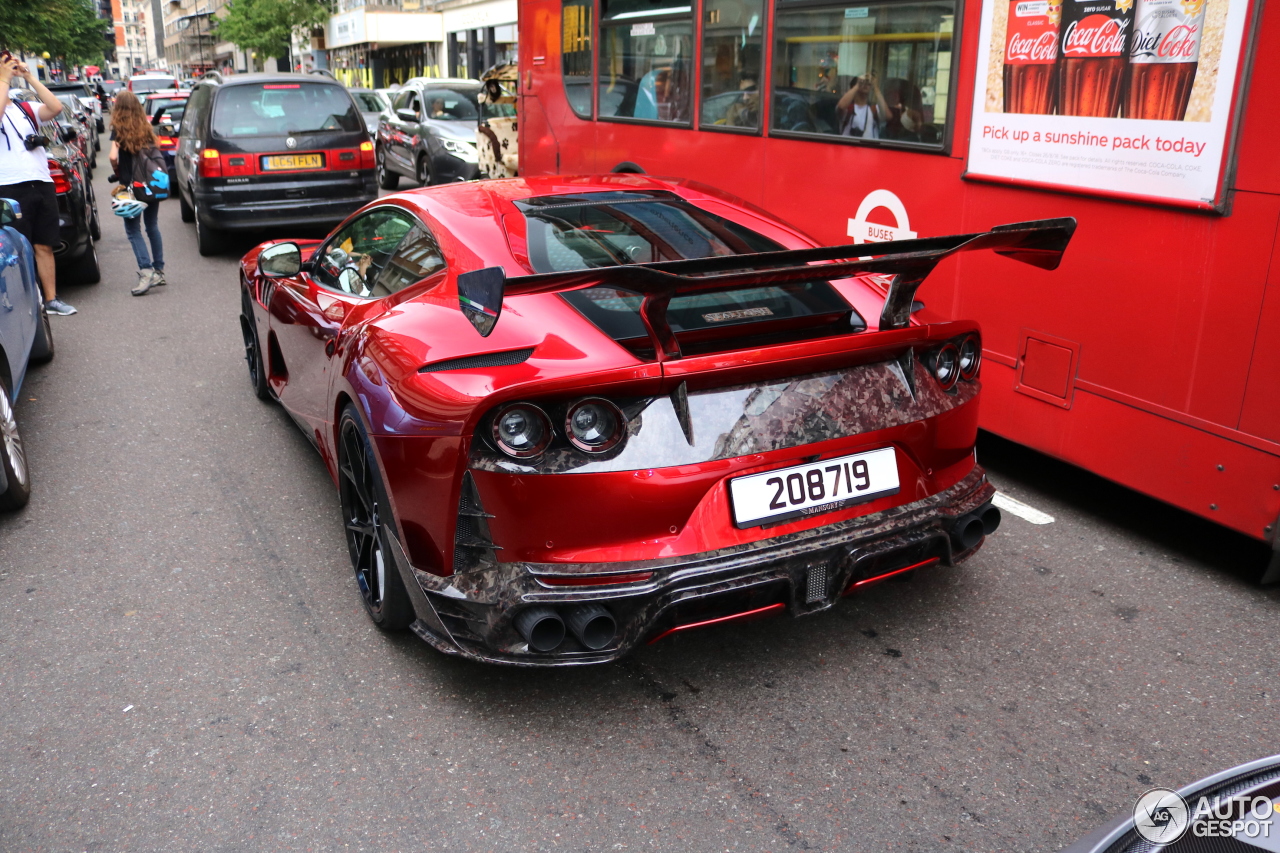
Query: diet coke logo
point(1043, 48)
point(1095, 35)
point(1180, 44)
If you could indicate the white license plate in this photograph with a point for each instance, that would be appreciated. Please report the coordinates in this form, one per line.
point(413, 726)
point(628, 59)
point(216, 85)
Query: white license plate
point(818, 487)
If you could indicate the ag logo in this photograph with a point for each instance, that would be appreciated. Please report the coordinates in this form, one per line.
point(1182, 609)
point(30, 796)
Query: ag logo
point(291, 142)
point(863, 231)
point(1161, 816)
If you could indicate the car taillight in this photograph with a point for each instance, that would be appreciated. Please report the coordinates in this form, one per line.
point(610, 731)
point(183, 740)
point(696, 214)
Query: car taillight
point(366, 155)
point(166, 143)
point(210, 164)
point(61, 183)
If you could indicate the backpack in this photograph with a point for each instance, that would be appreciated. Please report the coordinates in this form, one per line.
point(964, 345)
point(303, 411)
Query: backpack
point(150, 175)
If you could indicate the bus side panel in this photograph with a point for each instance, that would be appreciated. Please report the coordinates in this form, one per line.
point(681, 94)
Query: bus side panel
point(546, 120)
point(1261, 415)
point(1257, 166)
point(1170, 461)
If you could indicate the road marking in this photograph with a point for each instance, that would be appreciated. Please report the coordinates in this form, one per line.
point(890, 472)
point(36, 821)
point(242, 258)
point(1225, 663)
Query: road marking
point(1018, 508)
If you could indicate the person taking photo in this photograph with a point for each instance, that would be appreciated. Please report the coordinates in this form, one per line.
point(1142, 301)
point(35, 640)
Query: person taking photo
point(24, 172)
point(131, 136)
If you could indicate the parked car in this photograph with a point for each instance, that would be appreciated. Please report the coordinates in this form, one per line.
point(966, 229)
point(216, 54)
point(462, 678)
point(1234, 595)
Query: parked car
point(430, 135)
point(371, 106)
point(269, 151)
point(569, 416)
point(86, 91)
point(26, 337)
point(75, 114)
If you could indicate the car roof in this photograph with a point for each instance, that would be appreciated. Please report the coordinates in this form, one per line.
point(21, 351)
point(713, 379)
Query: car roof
point(168, 93)
point(276, 77)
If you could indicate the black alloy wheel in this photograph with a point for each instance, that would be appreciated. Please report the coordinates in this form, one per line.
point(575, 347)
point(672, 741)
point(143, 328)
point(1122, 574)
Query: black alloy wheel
point(366, 516)
point(388, 180)
point(423, 174)
point(253, 351)
point(13, 457)
point(87, 270)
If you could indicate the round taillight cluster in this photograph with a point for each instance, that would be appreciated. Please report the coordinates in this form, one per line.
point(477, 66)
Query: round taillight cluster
point(955, 360)
point(524, 431)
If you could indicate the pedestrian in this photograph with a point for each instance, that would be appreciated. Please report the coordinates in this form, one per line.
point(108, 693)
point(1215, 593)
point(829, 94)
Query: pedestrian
point(132, 137)
point(24, 173)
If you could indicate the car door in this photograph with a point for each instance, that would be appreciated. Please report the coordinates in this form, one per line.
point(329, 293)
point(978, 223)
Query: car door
point(17, 328)
point(307, 312)
point(403, 121)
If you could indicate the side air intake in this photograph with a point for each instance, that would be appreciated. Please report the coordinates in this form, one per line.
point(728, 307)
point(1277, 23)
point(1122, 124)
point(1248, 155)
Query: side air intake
point(471, 362)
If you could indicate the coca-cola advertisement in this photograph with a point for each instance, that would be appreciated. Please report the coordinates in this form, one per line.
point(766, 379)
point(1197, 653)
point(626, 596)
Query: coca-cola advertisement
point(1121, 97)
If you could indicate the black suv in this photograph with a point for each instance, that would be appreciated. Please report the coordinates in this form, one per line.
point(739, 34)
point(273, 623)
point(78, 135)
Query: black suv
point(260, 151)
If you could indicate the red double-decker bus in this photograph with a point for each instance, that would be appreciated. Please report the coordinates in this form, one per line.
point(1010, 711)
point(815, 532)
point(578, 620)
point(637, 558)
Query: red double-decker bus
point(1152, 356)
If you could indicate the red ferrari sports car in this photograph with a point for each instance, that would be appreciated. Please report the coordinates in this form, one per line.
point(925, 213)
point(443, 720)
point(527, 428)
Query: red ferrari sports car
point(567, 416)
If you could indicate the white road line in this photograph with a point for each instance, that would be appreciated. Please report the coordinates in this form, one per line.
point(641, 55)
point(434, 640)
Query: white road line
point(1021, 510)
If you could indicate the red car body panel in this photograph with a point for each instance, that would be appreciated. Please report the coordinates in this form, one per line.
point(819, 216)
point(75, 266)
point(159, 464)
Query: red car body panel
point(325, 349)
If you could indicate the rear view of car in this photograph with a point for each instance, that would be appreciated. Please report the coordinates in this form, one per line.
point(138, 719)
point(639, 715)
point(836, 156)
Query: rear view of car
point(145, 84)
point(269, 150)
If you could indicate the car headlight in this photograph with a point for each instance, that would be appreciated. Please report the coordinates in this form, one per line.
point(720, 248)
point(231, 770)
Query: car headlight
point(462, 150)
point(970, 357)
point(521, 430)
point(594, 425)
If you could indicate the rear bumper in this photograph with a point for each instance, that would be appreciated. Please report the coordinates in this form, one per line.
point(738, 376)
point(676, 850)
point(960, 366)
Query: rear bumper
point(268, 214)
point(805, 572)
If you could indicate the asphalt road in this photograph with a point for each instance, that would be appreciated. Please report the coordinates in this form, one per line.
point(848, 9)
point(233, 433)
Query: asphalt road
point(185, 664)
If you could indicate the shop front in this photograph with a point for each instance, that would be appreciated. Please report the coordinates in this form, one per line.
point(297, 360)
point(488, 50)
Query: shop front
point(480, 36)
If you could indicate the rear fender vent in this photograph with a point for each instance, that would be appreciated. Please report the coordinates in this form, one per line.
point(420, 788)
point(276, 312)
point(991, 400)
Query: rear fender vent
point(471, 362)
point(473, 547)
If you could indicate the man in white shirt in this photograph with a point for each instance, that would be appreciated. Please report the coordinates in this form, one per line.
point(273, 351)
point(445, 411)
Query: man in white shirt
point(24, 173)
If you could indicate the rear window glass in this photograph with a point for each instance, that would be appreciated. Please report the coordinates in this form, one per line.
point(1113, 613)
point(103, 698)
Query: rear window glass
point(282, 109)
point(606, 229)
point(156, 105)
point(143, 85)
point(451, 104)
point(368, 102)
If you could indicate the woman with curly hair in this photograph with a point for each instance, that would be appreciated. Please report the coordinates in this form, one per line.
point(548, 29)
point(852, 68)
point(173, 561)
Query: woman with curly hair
point(131, 133)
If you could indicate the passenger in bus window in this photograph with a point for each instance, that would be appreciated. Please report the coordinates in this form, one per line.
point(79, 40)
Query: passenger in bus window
point(862, 109)
point(905, 118)
point(745, 112)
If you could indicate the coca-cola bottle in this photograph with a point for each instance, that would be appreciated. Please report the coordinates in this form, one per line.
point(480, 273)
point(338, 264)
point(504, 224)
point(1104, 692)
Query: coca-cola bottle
point(1163, 58)
point(1030, 56)
point(1093, 56)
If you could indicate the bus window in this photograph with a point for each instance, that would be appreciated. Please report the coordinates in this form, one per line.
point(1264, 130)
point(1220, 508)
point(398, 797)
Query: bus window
point(645, 58)
point(732, 43)
point(575, 52)
point(878, 72)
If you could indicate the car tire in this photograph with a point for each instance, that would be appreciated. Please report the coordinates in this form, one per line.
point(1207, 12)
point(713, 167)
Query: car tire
point(86, 270)
point(188, 215)
point(423, 172)
point(208, 241)
point(13, 457)
point(42, 346)
point(387, 179)
point(366, 515)
point(253, 351)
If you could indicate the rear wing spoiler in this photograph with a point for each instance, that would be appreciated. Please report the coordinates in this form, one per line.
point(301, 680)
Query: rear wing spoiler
point(906, 262)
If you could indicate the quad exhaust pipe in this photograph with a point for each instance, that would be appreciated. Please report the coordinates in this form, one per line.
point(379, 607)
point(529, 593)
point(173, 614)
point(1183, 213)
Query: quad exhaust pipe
point(969, 528)
point(544, 628)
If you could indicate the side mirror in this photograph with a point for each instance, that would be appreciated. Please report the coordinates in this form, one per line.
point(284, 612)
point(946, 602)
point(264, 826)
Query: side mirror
point(280, 261)
point(480, 297)
point(407, 115)
point(69, 133)
point(166, 129)
point(10, 211)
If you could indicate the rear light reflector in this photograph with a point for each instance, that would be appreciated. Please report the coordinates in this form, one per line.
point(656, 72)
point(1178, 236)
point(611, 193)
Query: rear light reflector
point(166, 143)
point(210, 163)
point(594, 580)
point(866, 582)
point(61, 182)
point(733, 617)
